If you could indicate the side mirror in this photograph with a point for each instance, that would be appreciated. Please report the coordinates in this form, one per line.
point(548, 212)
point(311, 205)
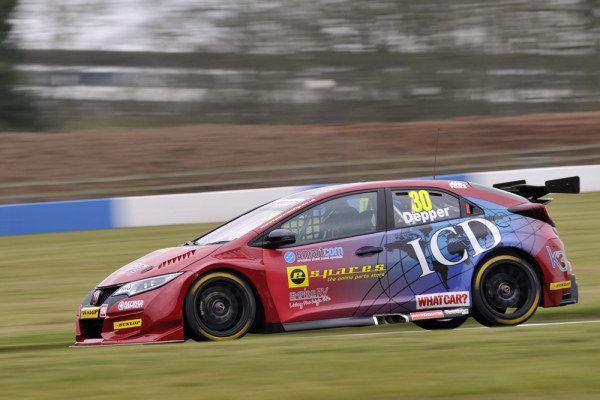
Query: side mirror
point(279, 237)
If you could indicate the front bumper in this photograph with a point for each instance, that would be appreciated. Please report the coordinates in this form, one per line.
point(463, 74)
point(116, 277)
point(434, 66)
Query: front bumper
point(150, 317)
point(125, 336)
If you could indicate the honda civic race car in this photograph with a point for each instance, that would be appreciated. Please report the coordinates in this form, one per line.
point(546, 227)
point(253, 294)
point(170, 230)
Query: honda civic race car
point(429, 252)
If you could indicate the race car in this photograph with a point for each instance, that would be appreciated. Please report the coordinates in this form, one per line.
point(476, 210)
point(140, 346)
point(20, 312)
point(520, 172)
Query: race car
point(432, 252)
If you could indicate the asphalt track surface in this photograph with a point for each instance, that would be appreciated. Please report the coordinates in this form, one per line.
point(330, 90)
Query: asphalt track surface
point(472, 328)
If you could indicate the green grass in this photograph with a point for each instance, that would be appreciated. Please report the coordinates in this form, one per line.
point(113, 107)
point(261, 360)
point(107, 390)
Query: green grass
point(44, 277)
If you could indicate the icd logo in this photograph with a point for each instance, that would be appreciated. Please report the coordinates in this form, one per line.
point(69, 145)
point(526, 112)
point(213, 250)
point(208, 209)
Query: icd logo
point(289, 257)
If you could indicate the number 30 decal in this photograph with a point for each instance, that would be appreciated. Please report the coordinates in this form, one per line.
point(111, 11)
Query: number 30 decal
point(420, 200)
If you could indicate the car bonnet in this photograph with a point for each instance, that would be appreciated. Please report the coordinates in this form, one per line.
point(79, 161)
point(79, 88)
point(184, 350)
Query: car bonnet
point(159, 262)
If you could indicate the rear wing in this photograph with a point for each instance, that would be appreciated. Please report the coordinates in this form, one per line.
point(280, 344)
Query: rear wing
point(533, 193)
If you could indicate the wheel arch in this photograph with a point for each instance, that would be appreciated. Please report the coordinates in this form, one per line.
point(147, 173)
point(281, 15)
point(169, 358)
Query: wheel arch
point(259, 318)
point(511, 251)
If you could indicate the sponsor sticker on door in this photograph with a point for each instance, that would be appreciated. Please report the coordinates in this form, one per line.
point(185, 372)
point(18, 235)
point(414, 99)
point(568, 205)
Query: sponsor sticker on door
point(297, 276)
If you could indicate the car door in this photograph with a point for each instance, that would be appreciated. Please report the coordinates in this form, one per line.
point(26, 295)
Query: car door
point(336, 268)
point(429, 247)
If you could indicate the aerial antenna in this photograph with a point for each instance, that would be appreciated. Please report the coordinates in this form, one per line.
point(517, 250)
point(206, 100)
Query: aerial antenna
point(437, 140)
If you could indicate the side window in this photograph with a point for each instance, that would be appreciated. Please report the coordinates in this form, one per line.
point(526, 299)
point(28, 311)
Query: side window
point(423, 206)
point(351, 215)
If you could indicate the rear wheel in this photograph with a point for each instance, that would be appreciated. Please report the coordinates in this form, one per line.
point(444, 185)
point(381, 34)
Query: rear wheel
point(506, 291)
point(448, 323)
point(219, 306)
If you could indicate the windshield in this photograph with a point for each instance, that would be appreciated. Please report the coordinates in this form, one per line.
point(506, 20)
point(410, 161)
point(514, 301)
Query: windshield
point(253, 219)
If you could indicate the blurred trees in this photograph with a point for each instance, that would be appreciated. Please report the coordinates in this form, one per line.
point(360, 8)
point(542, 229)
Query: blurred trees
point(17, 111)
point(304, 62)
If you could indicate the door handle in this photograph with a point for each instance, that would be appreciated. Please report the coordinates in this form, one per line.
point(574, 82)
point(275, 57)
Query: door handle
point(368, 250)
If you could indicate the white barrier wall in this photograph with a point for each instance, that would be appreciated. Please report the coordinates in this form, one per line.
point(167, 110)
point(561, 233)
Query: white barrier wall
point(192, 208)
point(16, 219)
point(222, 206)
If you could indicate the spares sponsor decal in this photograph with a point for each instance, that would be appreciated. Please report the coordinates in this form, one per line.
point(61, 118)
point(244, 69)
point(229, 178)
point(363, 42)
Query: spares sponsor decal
point(350, 273)
point(90, 312)
point(103, 310)
point(305, 298)
point(130, 305)
point(426, 315)
point(132, 323)
point(560, 285)
point(297, 276)
point(440, 300)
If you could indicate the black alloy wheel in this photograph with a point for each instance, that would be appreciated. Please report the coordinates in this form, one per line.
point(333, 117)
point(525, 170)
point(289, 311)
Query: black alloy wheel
point(219, 306)
point(506, 291)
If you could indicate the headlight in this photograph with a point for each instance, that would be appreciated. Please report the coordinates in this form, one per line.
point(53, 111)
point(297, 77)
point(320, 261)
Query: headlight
point(144, 285)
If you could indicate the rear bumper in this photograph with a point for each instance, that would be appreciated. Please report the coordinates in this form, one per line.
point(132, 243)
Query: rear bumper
point(572, 296)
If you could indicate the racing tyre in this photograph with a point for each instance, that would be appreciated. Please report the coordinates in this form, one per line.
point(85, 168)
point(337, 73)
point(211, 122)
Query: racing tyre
point(219, 306)
point(448, 323)
point(506, 291)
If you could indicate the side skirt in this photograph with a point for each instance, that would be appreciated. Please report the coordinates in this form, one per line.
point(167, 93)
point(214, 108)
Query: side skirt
point(382, 319)
point(329, 323)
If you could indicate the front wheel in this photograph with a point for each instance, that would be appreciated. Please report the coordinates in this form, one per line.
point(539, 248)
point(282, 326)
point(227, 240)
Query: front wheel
point(506, 291)
point(219, 306)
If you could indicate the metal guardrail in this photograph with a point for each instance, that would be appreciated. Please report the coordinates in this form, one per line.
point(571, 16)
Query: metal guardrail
point(528, 158)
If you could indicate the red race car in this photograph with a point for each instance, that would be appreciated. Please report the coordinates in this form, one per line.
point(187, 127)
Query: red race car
point(428, 252)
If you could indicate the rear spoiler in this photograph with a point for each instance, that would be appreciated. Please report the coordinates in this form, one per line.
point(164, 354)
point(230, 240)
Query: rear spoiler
point(533, 193)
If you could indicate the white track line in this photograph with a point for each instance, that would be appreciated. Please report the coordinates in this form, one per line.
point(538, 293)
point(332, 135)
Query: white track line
point(560, 323)
point(463, 329)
